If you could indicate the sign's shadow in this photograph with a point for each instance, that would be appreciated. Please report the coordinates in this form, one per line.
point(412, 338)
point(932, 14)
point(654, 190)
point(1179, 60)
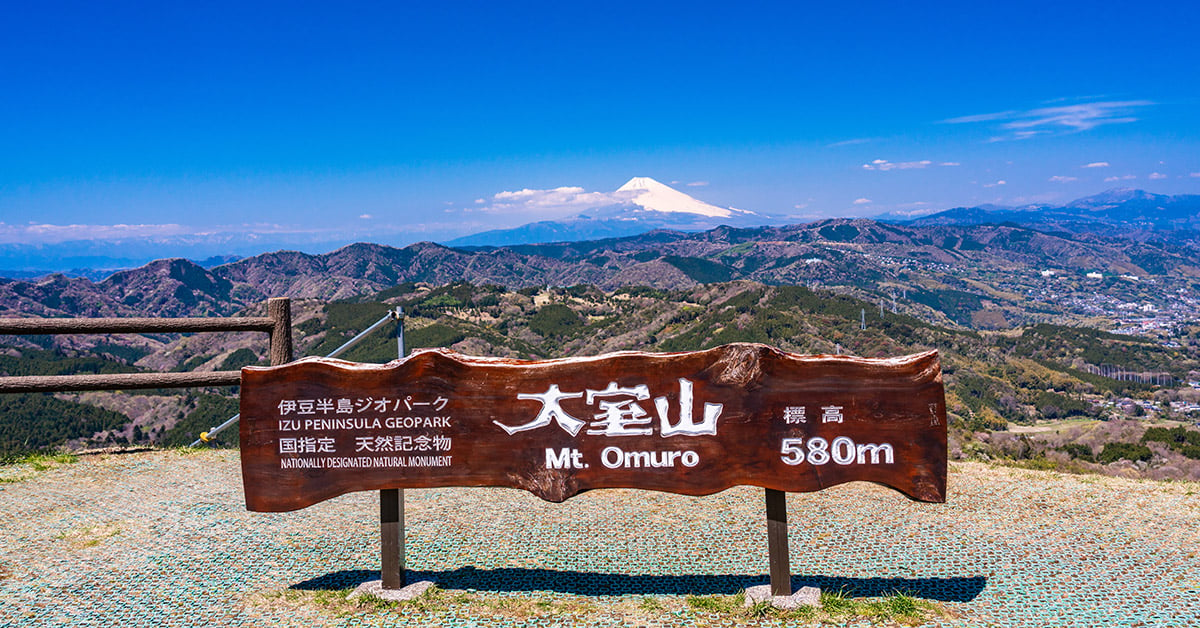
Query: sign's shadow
point(515, 579)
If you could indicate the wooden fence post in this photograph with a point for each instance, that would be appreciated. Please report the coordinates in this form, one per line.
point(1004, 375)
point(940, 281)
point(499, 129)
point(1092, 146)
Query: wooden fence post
point(279, 310)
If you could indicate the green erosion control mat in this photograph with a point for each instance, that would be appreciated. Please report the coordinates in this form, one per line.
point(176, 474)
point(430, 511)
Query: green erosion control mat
point(162, 539)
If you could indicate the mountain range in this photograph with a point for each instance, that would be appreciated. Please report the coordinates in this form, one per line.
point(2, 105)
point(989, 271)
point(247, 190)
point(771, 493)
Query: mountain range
point(1015, 310)
point(649, 204)
point(641, 206)
point(865, 257)
point(1123, 211)
point(933, 258)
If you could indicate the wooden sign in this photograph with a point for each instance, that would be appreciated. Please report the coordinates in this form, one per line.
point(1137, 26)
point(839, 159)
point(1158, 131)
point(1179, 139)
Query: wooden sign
point(692, 423)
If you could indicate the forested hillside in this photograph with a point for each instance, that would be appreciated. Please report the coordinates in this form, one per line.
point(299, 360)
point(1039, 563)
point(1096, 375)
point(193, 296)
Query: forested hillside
point(994, 379)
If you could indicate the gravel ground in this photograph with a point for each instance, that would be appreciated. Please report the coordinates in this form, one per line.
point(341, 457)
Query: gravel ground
point(162, 538)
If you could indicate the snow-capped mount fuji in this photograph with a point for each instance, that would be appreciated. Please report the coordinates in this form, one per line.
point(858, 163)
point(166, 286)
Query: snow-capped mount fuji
point(652, 195)
point(642, 204)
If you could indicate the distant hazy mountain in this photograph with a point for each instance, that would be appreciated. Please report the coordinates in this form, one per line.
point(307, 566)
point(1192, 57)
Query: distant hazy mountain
point(1118, 211)
point(643, 204)
point(101, 257)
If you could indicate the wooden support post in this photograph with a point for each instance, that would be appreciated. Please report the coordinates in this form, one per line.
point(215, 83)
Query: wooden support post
point(279, 310)
point(777, 543)
point(391, 540)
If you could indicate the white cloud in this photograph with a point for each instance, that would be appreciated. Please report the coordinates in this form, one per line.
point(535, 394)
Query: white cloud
point(853, 142)
point(1017, 135)
point(912, 210)
point(48, 233)
point(697, 184)
point(992, 185)
point(1049, 197)
point(803, 205)
point(983, 117)
point(365, 216)
point(1096, 164)
point(1157, 175)
point(1075, 98)
point(950, 163)
point(1061, 179)
point(883, 164)
point(1195, 175)
point(862, 201)
point(1049, 120)
point(1128, 177)
point(542, 204)
point(45, 233)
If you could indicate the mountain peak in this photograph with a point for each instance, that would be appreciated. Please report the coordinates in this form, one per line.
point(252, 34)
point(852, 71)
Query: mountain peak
point(1115, 195)
point(643, 183)
point(660, 197)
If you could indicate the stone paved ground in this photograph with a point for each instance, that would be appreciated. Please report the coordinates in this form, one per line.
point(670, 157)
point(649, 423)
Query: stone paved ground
point(162, 539)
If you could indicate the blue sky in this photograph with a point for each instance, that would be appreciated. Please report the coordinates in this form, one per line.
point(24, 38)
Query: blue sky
point(392, 121)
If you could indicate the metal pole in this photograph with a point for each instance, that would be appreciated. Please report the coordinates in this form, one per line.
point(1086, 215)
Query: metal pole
point(361, 335)
point(777, 543)
point(398, 314)
point(391, 506)
point(207, 436)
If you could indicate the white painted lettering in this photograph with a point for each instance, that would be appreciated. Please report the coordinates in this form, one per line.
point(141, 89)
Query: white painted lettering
point(611, 457)
point(818, 450)
point(886, 449)
point(566, 458)
point(617, 458)
point(843, 450)
point(637, 459)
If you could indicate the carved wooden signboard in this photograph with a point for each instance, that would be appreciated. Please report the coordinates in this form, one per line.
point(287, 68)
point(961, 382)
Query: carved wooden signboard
point(693, 423)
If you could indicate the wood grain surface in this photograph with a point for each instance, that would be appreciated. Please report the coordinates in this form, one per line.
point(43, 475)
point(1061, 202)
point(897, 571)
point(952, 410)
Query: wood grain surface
point(692, 423)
